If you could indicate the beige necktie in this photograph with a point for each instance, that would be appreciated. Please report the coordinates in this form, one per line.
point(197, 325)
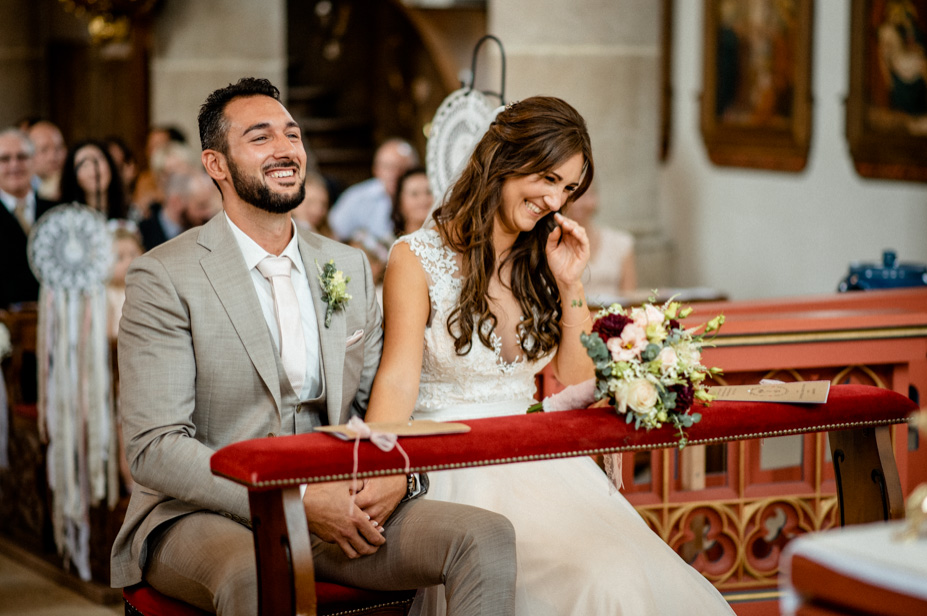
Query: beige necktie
point(289, 322)
point(19, 211)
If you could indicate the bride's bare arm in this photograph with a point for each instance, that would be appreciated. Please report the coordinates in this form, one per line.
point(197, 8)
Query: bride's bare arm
point(406, 307)
point(568, 253)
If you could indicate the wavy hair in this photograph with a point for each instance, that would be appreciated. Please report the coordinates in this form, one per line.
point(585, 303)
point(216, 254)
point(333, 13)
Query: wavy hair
point(533, 136)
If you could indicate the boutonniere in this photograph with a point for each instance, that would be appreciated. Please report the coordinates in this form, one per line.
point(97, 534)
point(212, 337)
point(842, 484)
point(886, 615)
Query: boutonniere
point(334, 289)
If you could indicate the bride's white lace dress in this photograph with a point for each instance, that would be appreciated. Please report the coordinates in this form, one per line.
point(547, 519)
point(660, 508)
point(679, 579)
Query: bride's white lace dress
point(582, 549)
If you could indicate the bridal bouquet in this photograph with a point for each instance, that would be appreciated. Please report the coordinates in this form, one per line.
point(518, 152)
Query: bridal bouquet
point(647, 365)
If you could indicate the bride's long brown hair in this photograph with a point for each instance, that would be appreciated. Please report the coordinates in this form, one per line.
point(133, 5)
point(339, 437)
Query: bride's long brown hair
point(533, 136)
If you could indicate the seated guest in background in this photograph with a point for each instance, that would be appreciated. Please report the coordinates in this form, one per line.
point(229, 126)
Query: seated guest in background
point(50, 153)
point(205, 201)
point(412, 202)
point(366, 207)
point(126, 246)
point(124, 160)
point(20, 208)
point(312, 213)
point(204, 362)
point(611, 269)
point(147, 189)
point(166, 220)
point(90, 177)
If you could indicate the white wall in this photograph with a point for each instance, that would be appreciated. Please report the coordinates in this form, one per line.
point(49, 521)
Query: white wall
point(759, 234)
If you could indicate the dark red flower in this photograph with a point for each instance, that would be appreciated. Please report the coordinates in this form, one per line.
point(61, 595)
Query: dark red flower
point(685, 395)
point(610, 326)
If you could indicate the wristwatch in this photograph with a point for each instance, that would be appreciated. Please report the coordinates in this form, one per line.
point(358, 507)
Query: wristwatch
point(417, 484)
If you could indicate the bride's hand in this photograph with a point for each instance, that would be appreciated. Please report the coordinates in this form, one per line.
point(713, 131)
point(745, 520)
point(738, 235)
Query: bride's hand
point(567, 250)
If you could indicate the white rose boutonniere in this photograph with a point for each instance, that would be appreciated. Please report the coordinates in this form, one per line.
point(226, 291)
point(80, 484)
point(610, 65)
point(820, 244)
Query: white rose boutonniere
point(334, 289)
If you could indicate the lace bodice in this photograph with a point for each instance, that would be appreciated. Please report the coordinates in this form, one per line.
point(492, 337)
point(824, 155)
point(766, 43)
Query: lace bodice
point(451, 380)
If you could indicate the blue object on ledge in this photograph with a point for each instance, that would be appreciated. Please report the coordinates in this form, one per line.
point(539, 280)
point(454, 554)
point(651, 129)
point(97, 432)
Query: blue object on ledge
point(889, 275)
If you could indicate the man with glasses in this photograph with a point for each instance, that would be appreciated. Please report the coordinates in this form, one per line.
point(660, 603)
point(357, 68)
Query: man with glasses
point(21, 207)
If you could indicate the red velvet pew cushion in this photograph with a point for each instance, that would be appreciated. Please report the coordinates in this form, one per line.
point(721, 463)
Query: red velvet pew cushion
point(330, 597)
point(274, 462)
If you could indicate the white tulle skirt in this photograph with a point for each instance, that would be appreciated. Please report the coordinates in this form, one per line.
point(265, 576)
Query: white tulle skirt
point(582, 548)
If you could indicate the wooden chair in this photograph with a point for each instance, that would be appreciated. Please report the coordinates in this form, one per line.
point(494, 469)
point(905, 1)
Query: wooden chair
point(20, 369)
point(858, 418)
point(333, 600)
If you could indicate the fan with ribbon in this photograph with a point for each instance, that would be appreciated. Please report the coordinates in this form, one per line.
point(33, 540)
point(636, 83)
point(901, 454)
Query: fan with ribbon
point(459, 123)
point(70, 252)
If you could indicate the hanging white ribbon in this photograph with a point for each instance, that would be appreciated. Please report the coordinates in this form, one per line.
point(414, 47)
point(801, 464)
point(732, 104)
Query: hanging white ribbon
point(384, 441)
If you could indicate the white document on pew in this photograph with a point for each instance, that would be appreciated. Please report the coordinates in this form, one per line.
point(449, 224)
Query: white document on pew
point(803, 392)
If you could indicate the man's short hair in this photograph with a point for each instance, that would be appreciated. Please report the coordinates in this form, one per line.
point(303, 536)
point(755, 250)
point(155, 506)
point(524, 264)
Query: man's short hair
point(212, 123)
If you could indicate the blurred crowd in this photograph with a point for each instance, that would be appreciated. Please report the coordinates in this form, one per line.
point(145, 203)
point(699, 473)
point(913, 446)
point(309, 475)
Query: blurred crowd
point(153, 198)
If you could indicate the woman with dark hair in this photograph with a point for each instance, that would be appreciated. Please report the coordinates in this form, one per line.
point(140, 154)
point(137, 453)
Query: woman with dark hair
point(91, 177)
point(475, 306)
point(412, 201)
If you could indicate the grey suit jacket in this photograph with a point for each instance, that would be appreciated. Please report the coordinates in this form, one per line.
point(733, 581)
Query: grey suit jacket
point(198, 371)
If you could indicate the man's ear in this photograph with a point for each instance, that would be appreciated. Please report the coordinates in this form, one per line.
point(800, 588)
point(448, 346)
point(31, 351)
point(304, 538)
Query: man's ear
point(215, 164)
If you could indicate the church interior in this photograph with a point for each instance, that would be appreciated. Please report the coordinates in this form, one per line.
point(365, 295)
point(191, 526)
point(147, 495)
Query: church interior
point(762, 159)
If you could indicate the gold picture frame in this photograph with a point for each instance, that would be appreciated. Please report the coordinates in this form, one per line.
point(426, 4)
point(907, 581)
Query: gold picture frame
point(756, 98)
point(886, 122)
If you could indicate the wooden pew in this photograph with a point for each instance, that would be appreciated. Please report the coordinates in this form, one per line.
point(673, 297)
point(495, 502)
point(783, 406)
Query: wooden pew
point(858, 418)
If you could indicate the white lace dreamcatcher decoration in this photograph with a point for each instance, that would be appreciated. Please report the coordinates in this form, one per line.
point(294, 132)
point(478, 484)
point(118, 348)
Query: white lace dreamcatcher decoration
point(70, 252)
point(459, 123)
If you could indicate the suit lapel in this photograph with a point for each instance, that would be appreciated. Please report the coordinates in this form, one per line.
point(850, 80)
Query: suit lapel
point(331, 339)
point(225, 268)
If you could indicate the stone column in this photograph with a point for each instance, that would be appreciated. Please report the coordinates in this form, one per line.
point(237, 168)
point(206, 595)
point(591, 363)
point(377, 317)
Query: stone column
point(603, 57)
point(201, 46)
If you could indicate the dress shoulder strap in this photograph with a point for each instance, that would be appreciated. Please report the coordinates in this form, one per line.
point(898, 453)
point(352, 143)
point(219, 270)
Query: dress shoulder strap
point(436, 259)
point(439, 264)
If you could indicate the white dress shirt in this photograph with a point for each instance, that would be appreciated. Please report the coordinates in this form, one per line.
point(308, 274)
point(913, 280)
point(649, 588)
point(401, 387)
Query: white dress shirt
point(254, 254)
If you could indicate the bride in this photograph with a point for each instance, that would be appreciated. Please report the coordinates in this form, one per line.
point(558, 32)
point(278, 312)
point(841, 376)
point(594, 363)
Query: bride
point(475, 305)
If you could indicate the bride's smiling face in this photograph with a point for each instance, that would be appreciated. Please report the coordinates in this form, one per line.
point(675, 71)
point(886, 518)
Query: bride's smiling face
point(527, 199)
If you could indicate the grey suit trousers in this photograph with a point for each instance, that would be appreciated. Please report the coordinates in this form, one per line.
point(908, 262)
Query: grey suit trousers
point(208, 560)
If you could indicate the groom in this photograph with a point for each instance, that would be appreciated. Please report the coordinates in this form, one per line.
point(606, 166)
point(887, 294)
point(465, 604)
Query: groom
point(201, 366)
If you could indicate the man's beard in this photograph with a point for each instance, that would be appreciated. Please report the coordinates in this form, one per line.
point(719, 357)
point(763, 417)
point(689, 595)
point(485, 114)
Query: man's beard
point(260, 196)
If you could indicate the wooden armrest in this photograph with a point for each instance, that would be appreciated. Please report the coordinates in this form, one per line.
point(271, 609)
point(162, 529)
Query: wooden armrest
point(272, 468)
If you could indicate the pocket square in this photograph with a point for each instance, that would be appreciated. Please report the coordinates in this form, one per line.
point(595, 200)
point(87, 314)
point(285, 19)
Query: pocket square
point(353, 338)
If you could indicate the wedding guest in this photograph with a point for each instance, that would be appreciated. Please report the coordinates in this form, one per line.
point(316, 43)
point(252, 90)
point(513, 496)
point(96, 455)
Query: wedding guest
point(167, 220)
point(412, 202)
point(124, 160)
point(127, 245)
point(20, 208)
point(147, 186)
point(50, 153)
point(90, 177)
point(312, 213)
point(611, 271)
point(475, 306)
point(365, 208)
point(205, 201)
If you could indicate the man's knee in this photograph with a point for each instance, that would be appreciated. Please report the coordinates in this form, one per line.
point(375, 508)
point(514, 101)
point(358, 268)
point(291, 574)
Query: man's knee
point(237, 592)
point(492, 534)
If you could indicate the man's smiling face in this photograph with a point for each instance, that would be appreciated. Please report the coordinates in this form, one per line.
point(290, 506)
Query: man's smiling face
point(266, 159)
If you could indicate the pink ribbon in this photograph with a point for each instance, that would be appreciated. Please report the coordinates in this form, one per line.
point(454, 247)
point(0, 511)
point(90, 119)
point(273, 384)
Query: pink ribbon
point(384, 441)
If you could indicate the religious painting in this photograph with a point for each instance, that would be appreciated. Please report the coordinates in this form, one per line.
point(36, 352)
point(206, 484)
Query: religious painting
point(887, 103)
point(756, 99)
